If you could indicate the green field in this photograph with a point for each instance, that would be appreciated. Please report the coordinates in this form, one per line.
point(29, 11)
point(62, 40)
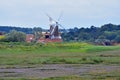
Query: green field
point(30, 54)
point(68, 53)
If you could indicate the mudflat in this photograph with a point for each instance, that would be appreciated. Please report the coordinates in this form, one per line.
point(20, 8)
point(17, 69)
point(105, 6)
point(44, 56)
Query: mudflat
point(57, 70)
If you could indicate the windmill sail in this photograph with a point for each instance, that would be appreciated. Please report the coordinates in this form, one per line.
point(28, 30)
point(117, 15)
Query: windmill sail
point(54, 30)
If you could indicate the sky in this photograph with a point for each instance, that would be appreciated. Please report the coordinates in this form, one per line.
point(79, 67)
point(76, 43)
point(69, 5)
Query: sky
point(74, 13)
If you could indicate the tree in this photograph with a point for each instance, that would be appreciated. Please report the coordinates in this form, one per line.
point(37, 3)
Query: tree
point(110, 35)
point(7, 29)
point(15, 36)
point(106, 33)
point(84, 36)
point(37, 32)
point(117, 39)
point(108, 27)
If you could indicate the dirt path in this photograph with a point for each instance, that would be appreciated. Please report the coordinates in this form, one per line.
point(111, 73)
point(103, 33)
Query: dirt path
point(55, 70)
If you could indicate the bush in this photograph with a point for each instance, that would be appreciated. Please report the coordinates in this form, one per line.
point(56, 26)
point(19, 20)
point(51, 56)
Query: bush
point(15, 36)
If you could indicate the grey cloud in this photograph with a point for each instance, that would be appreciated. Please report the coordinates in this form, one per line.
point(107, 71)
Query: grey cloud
point(31, 12)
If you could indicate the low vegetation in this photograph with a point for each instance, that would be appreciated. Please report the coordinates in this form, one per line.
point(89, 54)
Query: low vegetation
point(57, 53)
point(31, 54)
point(103, 76)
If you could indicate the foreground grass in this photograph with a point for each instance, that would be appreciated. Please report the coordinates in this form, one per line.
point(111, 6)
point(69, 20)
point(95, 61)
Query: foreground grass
point(59, 53)
point(12, 54)
point(88, 77)
point(105, 77)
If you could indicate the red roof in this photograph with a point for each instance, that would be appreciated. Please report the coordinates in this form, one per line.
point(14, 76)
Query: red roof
point(29, 37)
point(49, 40)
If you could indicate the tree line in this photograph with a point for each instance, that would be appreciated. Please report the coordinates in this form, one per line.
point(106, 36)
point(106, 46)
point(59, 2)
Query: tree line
point(106, 33)
point(7, 29)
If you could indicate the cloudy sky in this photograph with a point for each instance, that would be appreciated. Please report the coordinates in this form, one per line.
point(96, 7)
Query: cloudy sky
point(75, 13)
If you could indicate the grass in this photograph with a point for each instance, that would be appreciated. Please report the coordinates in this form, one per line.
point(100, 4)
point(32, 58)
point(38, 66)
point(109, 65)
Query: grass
point(2, 37)
point(57, 53)
point(29, 54)
point(84, 78)
point(101, 76)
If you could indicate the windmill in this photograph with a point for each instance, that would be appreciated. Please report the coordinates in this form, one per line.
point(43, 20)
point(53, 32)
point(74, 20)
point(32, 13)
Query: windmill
point(54, 28)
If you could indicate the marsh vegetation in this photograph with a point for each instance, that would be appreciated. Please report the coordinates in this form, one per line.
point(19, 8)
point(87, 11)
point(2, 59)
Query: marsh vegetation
point(100, 62)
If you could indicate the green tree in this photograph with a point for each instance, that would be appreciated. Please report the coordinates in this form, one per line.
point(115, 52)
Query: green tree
point(15, 36)
point(108, 27)
point(84, 36)
point(37, 32)
point(117, 39)
point(110, 35)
